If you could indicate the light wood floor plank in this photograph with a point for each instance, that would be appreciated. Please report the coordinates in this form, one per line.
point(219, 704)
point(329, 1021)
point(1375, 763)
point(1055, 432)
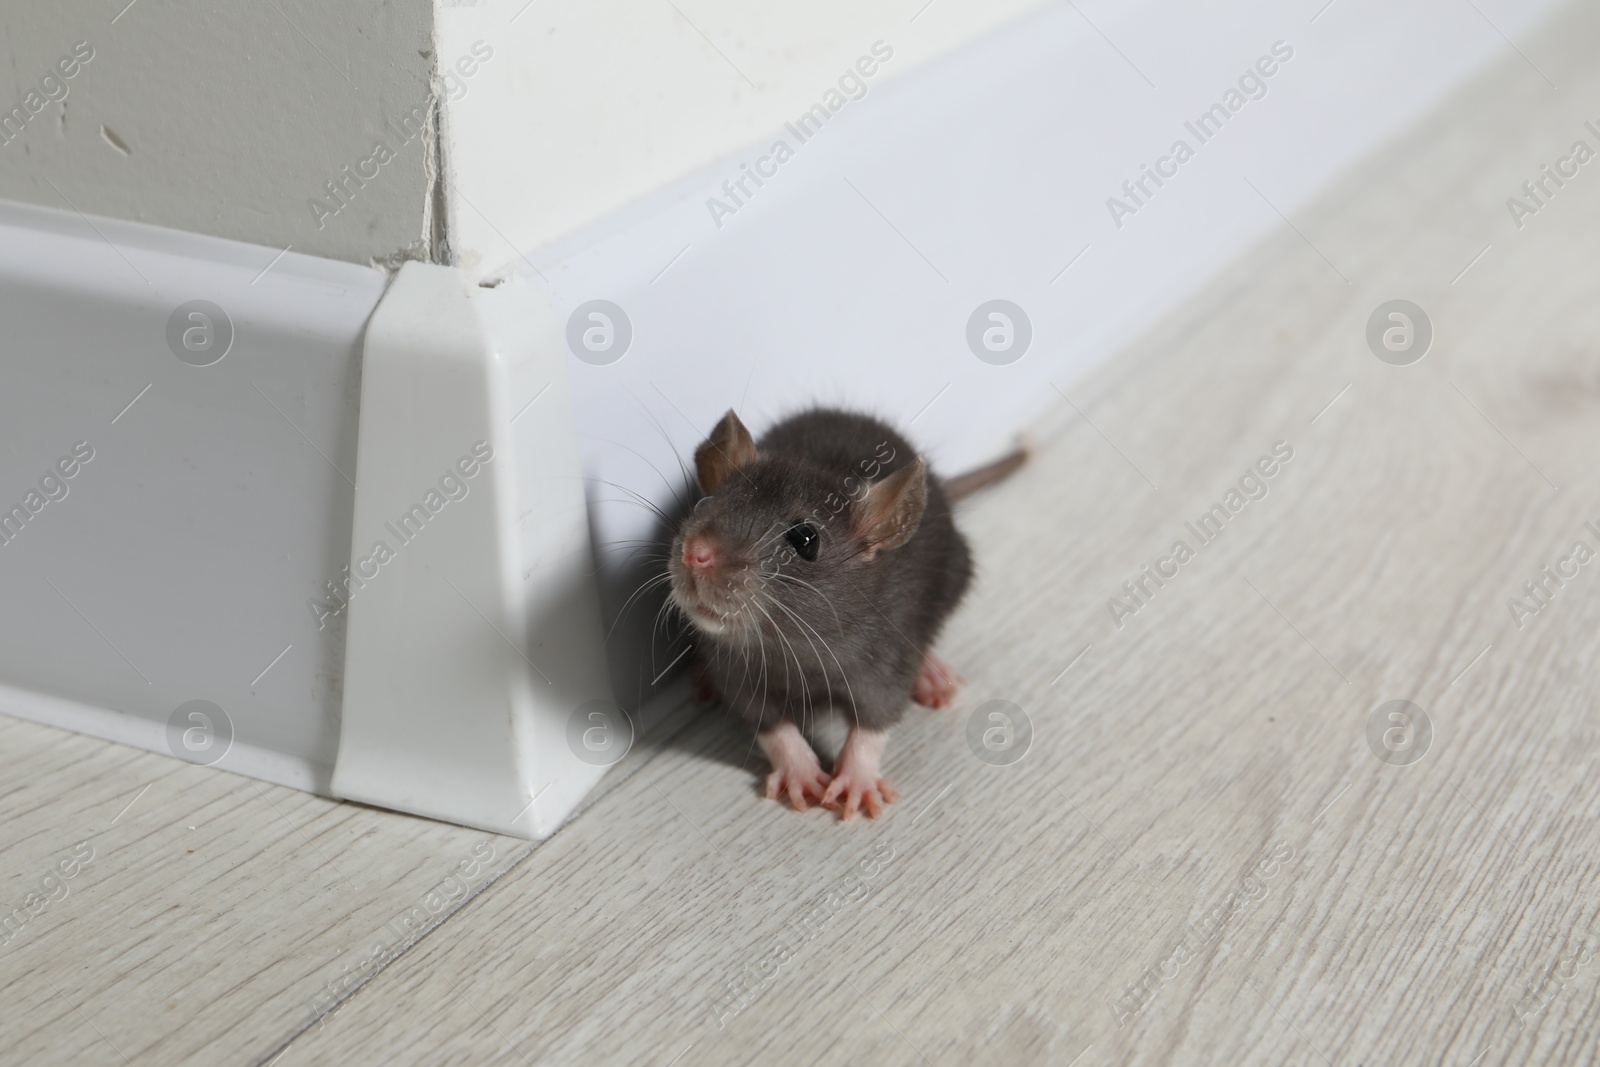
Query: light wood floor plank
point(1412, 913)
point(1225, 719)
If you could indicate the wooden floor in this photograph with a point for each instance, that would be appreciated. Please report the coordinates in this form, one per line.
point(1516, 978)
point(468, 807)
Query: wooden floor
point(1201, 857)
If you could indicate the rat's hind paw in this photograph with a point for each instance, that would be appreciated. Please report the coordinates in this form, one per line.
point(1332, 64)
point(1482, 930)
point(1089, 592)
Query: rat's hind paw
point(797, 784)
point(850, 792)
point(936, 684)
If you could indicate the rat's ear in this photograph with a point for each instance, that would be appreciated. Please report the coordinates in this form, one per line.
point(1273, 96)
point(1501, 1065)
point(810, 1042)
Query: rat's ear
point(892, 509)
point(729, 447)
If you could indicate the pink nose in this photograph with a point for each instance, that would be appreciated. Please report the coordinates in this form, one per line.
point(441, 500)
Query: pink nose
point(699, 554)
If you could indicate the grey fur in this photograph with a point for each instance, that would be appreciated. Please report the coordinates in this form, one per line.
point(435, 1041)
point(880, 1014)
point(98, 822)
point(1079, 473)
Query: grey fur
point(844, 633)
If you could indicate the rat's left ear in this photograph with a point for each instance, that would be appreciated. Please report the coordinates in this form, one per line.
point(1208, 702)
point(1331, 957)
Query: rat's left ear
point(729, 447)
point(892, 509)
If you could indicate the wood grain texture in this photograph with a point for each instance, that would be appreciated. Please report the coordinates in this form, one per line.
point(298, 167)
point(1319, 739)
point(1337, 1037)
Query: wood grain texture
point(218, 916)
point(1436, 913)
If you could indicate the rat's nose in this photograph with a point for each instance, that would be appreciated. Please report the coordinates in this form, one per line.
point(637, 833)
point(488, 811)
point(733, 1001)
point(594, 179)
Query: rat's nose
point(699, 553)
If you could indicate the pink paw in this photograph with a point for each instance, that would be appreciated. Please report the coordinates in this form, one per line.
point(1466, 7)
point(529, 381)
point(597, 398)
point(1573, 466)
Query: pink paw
point(796, 772)
point(798, 783)
point(936, 684)
point(851, 791)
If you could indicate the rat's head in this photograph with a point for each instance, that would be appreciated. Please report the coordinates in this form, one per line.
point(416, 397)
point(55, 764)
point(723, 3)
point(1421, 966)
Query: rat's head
point(777, 540)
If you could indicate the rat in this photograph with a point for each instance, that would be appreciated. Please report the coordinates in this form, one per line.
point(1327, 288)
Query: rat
point(818, 569)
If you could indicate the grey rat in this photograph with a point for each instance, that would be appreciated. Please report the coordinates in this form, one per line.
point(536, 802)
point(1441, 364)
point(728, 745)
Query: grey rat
point(818, 570)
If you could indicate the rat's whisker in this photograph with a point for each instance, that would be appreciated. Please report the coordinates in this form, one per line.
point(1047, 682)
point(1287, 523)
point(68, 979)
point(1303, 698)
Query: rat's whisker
point(805, 684)
point(667, 604)
point(826, 681)
point(744, 657)
point(677, 490)
point(784, 649)
point(651, 563)
point(636, 545)
point(825, 597)
point(639, 499)
point(844, 675)
point(767, 540)
point(644, 587)
point(762, 645)
point(691, 477)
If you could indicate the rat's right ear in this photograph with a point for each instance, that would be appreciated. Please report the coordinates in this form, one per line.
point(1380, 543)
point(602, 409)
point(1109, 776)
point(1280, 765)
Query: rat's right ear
point(892, 509)
point(729, 447)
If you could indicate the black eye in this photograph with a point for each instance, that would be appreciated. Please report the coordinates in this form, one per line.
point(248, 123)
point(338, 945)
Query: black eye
point(803, 536)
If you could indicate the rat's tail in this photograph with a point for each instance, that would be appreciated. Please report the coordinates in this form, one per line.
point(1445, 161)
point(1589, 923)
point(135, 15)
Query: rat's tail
point(964, 485)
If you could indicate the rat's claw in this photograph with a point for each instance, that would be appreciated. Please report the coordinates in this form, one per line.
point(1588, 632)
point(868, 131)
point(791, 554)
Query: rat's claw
point(797, 785)
point(796, 773)
point(848, 794)
point(855, 776)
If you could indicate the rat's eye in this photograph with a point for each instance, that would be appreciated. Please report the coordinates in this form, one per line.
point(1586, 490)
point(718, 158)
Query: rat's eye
point(803, 536)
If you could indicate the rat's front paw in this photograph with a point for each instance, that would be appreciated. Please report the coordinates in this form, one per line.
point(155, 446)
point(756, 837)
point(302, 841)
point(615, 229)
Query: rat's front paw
point(850, 791)
point(796, 772)
point(798, 783)
point(936, 684)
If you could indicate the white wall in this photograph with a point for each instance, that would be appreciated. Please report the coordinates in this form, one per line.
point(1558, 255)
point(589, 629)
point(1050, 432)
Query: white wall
point(851, 275)
point(584, 109)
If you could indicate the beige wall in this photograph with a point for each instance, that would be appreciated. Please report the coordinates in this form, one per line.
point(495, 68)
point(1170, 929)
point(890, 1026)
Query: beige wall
point(229, 118)
point(224, 118)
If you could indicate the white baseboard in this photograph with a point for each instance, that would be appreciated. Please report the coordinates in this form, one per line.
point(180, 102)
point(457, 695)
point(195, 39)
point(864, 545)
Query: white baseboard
point(197, 541)
point(474, 639)
point(179, 563)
